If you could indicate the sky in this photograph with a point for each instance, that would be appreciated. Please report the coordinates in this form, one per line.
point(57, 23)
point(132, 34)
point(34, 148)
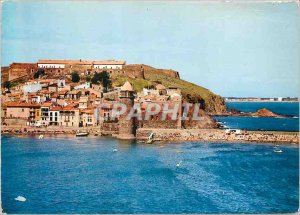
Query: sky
point(231, 48)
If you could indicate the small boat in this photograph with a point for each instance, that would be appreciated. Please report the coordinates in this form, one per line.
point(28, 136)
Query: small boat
point(41, 136)
point(277, 149)
point(150, 138)
point(149, 141)
point(115, 150)
point(178, 164)
point(81, 134)
point(20, 199)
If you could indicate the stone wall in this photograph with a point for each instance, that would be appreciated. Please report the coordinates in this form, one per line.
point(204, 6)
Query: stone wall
point(16, 121)
point(156, 122)
point(17, 70)
point(217, 135)
point(109, 128)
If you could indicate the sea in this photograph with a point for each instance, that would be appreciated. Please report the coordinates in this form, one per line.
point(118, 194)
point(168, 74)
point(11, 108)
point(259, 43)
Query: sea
point(103, 175)
point(290, 109)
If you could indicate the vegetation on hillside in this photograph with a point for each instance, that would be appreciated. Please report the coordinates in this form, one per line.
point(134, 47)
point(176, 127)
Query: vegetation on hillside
point(193, 93)
point(10, 84)
point(75, 77)
point(39, 73)
point(102, 78)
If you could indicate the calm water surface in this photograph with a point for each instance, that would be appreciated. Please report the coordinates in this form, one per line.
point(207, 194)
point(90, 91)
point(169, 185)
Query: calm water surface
point(84, 175)
point(263, 123)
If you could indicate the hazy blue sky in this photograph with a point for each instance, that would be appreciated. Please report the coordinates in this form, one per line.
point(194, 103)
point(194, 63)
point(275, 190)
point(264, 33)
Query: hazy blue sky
point(233, 49)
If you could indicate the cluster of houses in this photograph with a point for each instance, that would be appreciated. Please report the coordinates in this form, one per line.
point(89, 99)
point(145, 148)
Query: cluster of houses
point(62, 103)
point(50, 102)
point(58, 102)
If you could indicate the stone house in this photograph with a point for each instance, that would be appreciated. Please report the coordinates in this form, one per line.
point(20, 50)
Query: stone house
point(85, 85)
point(32, 87)
point(69, 116)
point(54, 115)
point(87, 117)
point(45, 115)
point(53, 87)
point(74, 94)
point(27, 112)
point(84, 102)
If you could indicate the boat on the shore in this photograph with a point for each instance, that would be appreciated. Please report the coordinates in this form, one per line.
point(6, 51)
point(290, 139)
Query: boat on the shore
point(82, 133)
point(150, 138)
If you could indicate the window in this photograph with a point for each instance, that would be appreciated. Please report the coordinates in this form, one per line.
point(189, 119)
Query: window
point(55, 113)
point(22, 109)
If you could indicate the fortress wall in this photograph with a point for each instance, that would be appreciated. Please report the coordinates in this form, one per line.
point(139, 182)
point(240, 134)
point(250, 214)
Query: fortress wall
point(171, 73)
point(17, 70)
point(109, 128)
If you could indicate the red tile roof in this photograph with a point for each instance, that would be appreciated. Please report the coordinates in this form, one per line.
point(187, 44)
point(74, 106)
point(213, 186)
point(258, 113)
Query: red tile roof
point(46, 104)
point(16, 104)
point(56, 108)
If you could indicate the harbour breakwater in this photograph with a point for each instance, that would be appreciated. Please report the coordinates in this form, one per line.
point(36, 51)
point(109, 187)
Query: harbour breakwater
point(218, 135)
point(207, 135)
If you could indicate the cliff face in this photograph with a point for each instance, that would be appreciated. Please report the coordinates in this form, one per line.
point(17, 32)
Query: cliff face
point(211, 103)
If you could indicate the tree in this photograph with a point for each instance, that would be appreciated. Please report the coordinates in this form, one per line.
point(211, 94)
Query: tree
point(38, 73)
point(75, 77)
point(7, 84)
point(88, 78)
point(102, 78)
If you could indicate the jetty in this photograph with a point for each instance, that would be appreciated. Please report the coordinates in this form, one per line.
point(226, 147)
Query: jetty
point(144, 134)
point(218, 135)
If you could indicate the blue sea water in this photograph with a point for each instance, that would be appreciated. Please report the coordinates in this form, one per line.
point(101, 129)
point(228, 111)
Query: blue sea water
point(84, 175)
point(282, 108)
point(263, 123)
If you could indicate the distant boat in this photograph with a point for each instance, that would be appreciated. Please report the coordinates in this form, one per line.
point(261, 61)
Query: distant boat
point(20, 199)
point(115, 150)
point(41, 136)
point(178, 164)
point(276, 149)
point(81, 134)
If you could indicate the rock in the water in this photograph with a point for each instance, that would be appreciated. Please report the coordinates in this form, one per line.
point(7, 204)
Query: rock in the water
point(265, 112)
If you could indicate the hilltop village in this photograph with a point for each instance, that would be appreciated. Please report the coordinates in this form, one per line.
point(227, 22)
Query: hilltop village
point(67, 95)
point(70, 96)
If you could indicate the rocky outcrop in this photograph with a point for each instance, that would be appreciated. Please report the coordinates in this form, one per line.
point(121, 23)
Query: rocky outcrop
point(265, 113)
point(260, 113)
